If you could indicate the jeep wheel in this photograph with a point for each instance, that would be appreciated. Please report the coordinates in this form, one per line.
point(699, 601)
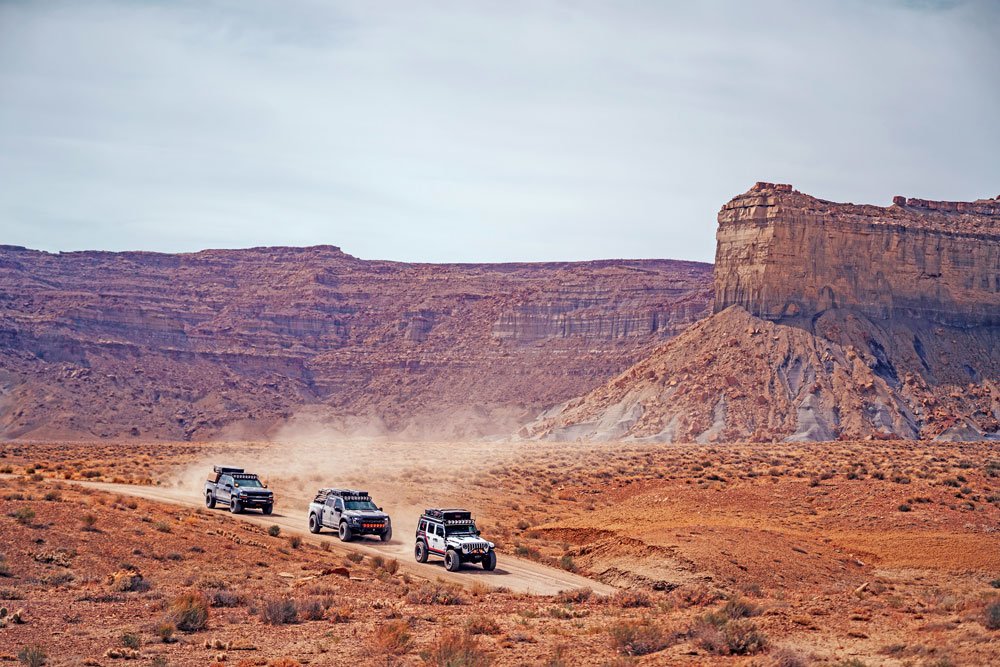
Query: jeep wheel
point(420, 551)
point(267, 509)
point(235, 507)
point(345, 532)
point(452, 561)
point(387, 535)
point(209, 500)
point(490, 561)
point(314, 526)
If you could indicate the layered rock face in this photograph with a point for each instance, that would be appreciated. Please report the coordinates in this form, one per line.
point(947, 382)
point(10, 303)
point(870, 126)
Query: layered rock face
point(242, 343)
point(782, 254)
point(833, 321)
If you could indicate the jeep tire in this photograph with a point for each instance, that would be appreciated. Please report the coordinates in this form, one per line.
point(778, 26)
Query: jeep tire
point(452, 561)
point(267, 509)
point(210, 500)
point(420, 551)
point(314, 525)
point(234, 506)
point(345, 532)
point(490, 561)
point(387, 535)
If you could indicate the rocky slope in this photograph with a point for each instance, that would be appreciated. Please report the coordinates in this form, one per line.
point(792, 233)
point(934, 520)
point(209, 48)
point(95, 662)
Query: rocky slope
point(835, 321)
point(240, 343)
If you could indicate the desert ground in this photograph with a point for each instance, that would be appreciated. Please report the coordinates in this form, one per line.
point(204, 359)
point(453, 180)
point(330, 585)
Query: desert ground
point(849, 553)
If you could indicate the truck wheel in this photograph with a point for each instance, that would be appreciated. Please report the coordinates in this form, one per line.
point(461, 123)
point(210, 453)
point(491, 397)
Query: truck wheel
point(387, 535)
point(209, 500)
point(267, 509)
point(452, 561)
point(420, 551)
point(490, 562)
point(235, 507)
point(345, 532)
point(314, 526)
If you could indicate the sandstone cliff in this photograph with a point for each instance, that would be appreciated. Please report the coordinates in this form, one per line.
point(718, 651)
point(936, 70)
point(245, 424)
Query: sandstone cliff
point(232, 343)
point(833, 321)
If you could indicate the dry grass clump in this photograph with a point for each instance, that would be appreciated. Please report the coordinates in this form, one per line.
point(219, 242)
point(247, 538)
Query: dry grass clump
point(392, 639)
point(32, 656)
point(630, 599)
point(189, 612)
point(991, 616)
point(633, 638)
point(456, 649)
point(575, 595)
point(731, 637)
point(280, 611)
point(435, 593)
point(480, 625)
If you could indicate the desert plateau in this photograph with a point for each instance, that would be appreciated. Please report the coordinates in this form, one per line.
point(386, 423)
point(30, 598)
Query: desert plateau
point(499, 334)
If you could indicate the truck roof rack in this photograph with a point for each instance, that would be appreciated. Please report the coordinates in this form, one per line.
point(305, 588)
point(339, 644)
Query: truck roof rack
point(227, 470)
point(450, 515)
point(346, 494)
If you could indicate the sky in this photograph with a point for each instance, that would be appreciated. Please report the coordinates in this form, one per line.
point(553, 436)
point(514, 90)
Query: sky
point(478, 131)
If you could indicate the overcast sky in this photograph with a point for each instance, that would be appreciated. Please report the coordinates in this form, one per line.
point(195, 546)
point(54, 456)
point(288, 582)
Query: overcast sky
point(478, 131)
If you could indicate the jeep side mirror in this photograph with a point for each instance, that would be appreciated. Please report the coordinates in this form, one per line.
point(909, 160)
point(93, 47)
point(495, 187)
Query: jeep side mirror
point(380, 509)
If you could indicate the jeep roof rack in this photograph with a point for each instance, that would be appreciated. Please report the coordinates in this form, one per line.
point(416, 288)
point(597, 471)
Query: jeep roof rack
point(227, 470)
point(450, 515)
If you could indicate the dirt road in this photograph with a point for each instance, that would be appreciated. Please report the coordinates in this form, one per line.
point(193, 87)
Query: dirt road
point(515, 574)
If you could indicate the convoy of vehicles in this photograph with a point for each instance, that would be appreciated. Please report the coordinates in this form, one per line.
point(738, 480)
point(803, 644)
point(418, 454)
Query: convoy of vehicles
point(350, 512)
point(452, 533)
point(238, 489)
point(448, 533)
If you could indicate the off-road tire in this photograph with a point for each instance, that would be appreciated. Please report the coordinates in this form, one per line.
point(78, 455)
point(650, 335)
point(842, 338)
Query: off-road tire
point(420, 551)
point(345, 532)
point(314, 525)
point(490, 561)
point(210, 500)
point(452, 561)
point(387, 535)
point(267, 509)
point(234, 506)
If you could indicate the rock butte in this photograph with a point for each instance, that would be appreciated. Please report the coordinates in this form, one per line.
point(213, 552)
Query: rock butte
point(832, 321)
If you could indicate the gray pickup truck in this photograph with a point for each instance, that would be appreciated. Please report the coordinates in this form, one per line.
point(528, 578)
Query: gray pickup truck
point(349, 512)
point(238, 489)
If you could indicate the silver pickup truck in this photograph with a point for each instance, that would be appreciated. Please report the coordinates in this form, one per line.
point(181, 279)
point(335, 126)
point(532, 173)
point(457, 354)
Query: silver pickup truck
point(349, 512)
point(238, 489)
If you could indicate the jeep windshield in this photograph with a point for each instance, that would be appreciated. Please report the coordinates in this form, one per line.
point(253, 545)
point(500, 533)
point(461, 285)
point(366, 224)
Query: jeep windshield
point(360, 505)
point(465, 529)
point(249, 483)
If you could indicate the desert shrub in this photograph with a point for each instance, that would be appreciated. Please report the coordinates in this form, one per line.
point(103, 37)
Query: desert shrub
point(189, 612)
point(295, 541)
point(574, 595)
point(89, 521)
point(632, 638)
point(32, 656)
point(274, 531)
point(280, 611)
point(785, 657)
point(128, 581)
point(165, 631)
point(162, 526)
point(480, 625)
point(739, 637)
point(377, 562)
point(311, 609)
point(340, 615)
point(131, 640)
point(995, 583)
point(355, 557)
point(567, 563)
point(4, 569)
point(456, 649)
point(24, 515)
point(992, 616)
point(393, 638)
point(160, 661)
point(905, 507)
point(739, 608)
point(629, 599)
point(226, 598)
point(53, 496)
point(435, 593)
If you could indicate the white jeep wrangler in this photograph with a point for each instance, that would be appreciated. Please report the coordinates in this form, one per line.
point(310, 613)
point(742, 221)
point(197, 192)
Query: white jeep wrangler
point(452, 533)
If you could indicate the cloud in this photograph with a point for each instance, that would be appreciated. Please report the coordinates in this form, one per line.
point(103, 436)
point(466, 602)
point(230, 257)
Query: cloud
point(477, 131)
